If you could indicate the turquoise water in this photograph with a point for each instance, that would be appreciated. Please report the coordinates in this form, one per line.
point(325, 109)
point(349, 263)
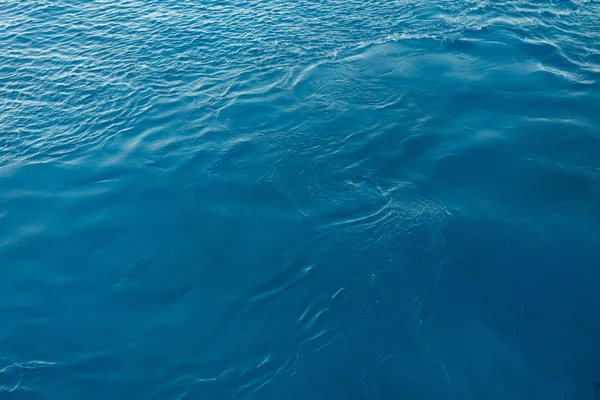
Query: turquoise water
point(299, 199)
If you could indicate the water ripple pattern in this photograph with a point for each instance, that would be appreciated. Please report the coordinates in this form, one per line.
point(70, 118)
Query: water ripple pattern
point(277, 199)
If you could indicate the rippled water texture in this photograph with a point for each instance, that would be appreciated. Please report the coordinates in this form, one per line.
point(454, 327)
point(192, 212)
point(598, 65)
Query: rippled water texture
point(299, 199)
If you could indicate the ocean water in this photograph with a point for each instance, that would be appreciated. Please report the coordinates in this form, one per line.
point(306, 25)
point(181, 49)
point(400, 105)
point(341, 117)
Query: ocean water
point(301, 199)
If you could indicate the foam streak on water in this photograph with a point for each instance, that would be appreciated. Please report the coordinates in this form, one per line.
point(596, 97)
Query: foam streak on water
point(298, 199)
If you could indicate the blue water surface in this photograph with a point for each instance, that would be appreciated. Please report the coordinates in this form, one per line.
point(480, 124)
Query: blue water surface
point(324, 200)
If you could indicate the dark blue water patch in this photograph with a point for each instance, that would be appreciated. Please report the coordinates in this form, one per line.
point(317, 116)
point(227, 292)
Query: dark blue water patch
point(259, 200)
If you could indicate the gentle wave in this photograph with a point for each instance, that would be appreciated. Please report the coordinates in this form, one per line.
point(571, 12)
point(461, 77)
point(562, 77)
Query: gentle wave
point(249, 199)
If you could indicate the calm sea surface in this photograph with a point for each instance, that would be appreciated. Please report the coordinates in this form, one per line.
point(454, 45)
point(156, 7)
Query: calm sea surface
point(324, 200)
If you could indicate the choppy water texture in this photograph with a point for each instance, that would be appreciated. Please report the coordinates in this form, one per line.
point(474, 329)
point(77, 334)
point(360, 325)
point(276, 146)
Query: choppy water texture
point(299, 199)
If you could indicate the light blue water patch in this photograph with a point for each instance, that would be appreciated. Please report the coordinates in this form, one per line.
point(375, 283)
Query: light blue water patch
point(291, 200)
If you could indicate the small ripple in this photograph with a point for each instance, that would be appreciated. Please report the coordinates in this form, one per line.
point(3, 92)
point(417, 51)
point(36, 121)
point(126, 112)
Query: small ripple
point(279, 284)
point(14, 377)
